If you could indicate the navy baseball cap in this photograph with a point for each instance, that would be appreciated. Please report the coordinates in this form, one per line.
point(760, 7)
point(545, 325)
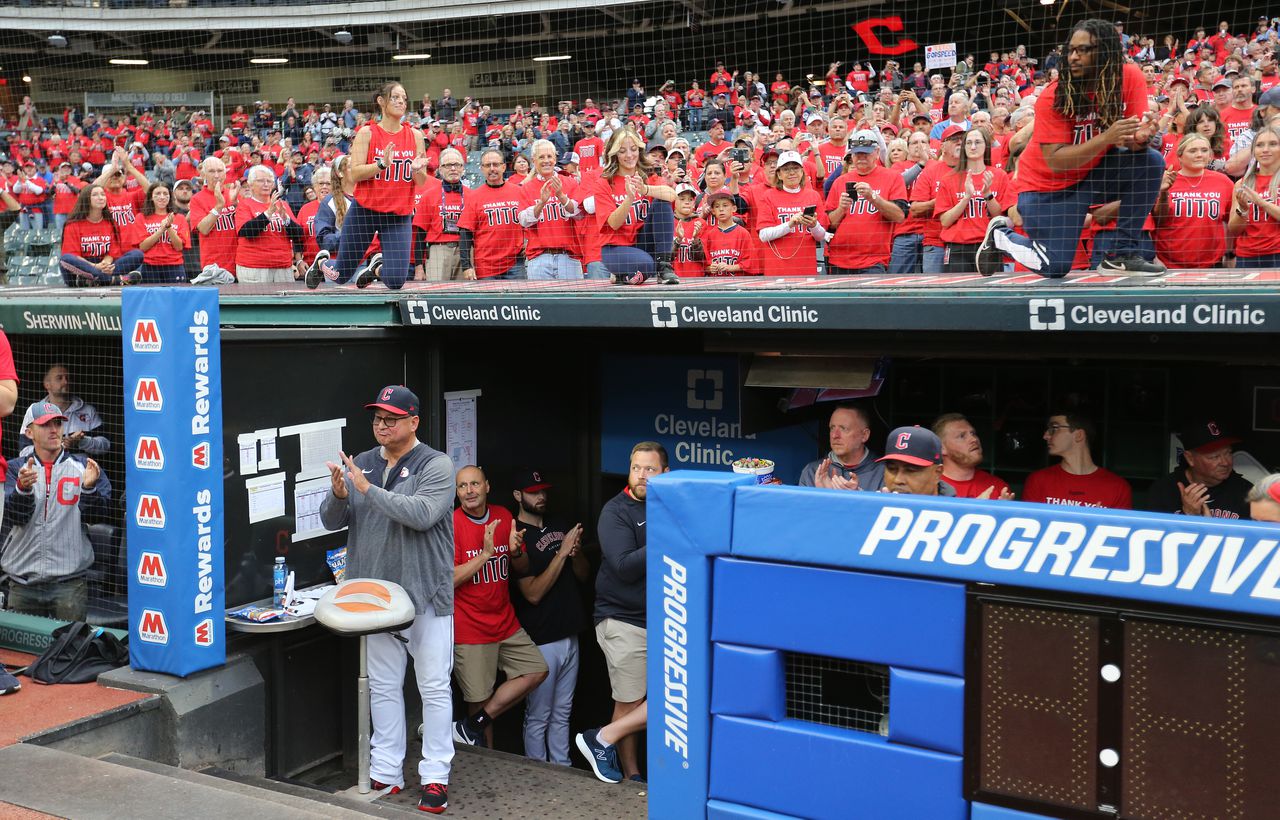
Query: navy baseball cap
point(43, 412)
point(914, 445)
point(531, 481)
point(1205, 436)
point(397, 400)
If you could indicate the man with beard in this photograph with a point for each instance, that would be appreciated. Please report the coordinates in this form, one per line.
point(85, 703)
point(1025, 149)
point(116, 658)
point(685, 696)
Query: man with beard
point(961, 455)
point(913, 463)
point(548, 604)
point(620, 589)
point(82, 428)
point(1204, 483)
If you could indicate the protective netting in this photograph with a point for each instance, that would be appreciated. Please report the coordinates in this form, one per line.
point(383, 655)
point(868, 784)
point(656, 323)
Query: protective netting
point(289, 85)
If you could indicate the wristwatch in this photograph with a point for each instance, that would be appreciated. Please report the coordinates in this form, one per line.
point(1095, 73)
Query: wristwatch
point(382, 165)
point(989, 197)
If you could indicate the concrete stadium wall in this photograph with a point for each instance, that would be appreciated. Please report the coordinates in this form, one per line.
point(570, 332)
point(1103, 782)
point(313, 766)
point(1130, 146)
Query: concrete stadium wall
point(739, 575)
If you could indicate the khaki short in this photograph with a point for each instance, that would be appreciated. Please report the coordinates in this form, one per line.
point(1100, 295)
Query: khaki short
point(476, 665)
point(625, 648)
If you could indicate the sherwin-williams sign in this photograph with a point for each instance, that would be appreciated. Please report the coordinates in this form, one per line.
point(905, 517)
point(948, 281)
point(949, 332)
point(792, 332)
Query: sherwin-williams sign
point(173, 430)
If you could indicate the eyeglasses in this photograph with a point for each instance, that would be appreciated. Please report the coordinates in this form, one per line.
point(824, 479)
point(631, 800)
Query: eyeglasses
point(1083, 51)
point(387, 421)
point(1053, 429)
point(451, 165)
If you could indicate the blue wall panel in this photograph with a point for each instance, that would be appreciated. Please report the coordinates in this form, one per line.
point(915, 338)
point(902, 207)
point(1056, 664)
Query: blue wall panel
point(982, 811)
point(926, 710)
point(720, 810)
point(694, 510)
point(873, 618)
point(820, 772)
point(748, 682)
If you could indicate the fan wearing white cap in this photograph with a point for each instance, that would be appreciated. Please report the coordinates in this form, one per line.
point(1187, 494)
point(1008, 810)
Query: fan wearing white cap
point(791, 221)
point(863, 206)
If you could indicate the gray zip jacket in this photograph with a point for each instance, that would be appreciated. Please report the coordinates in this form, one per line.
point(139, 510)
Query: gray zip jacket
point(402, 529)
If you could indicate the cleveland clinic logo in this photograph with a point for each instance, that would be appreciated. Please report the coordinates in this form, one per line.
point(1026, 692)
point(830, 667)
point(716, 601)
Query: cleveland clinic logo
point(664, 313)
point(1047, 314)
point(706, 390)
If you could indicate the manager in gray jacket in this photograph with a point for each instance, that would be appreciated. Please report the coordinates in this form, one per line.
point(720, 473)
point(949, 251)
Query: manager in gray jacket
point(48, 501)
point(397, 500)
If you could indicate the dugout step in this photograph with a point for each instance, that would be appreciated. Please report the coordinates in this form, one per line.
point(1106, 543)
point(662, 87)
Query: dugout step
point(67, 785)
point(489, 784)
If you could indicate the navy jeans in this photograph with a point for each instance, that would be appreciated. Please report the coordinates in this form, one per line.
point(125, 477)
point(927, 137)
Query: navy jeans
point(1053, 219)
point(654, 238)
point(358, 229)
point(76, 269)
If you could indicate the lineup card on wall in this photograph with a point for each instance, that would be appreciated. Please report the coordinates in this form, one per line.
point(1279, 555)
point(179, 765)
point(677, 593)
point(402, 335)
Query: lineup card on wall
point(460, 426)
point(318, 442)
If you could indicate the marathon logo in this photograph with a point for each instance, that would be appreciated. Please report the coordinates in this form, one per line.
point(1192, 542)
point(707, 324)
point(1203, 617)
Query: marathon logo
point(675, 658)
point(151, 571)
point(150, 512)
point(1142, 554)
point(148, 455)
point(200, 455)
point(147, 397)
point(1057, 314)
point(146, 336)
point(204, 632)
point(152, 628)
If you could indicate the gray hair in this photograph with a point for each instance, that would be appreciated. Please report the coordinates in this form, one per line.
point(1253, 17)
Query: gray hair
point(259, 170)
point(541, 145)
point(1262, 490)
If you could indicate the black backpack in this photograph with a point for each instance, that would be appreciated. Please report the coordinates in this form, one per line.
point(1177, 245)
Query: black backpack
point(78, 654)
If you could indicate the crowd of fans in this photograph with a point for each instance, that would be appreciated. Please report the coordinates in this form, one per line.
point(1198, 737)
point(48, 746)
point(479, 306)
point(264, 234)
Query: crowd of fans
point(861, 170)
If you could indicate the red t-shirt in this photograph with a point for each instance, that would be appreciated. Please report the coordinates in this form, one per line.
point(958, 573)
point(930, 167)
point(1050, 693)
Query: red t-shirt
point(7, 371)
point(609, 194)
point(91, 240)
point(1191, 233)
point(482, 611)
point(976, 486)
point(859, 79)
point(864, 237)
point(124, 208)
point(218, 246)
point(307, 219)
point(492, 215)
point(832, 156)
point(686, 231)
point(1261, 235)
point(270, 249)
point(731, 246)
point(1236, 122)
point(1101, 488)
point(391, 191)
point(1051, 127)
point(780, 91)
point(65, 193)
point(924, 189)
point(433, 203)
point(590, 151)
point(972, 224)
point(555, 228)
point(161, 253)
point(707, 150)
point(794, 253)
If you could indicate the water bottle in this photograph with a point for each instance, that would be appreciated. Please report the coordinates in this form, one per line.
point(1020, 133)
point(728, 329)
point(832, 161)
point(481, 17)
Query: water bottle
point(278, 576)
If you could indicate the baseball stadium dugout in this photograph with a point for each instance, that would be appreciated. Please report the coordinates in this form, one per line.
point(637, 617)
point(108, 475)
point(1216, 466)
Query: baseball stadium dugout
point(1032, 660)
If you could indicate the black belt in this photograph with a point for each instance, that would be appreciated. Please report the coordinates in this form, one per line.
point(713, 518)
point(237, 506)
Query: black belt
point(555, 250)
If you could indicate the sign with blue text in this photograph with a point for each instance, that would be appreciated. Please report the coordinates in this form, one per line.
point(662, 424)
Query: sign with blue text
point(173, 432)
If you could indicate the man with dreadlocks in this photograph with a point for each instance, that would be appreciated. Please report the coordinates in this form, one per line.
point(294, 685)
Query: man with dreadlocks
point(1089, 146)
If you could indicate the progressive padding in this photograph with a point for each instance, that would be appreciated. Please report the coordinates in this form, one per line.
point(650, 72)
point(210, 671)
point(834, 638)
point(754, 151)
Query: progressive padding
point(720, 810)
point(748, 682)
point(926, 710)
point(815, 771)
point(836, 613)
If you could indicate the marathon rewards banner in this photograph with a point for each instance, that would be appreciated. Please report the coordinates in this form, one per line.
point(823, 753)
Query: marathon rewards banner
point(690, 405)
point(173, 432)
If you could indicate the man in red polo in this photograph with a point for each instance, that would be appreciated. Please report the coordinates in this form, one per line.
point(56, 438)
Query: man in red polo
point(961, 455)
